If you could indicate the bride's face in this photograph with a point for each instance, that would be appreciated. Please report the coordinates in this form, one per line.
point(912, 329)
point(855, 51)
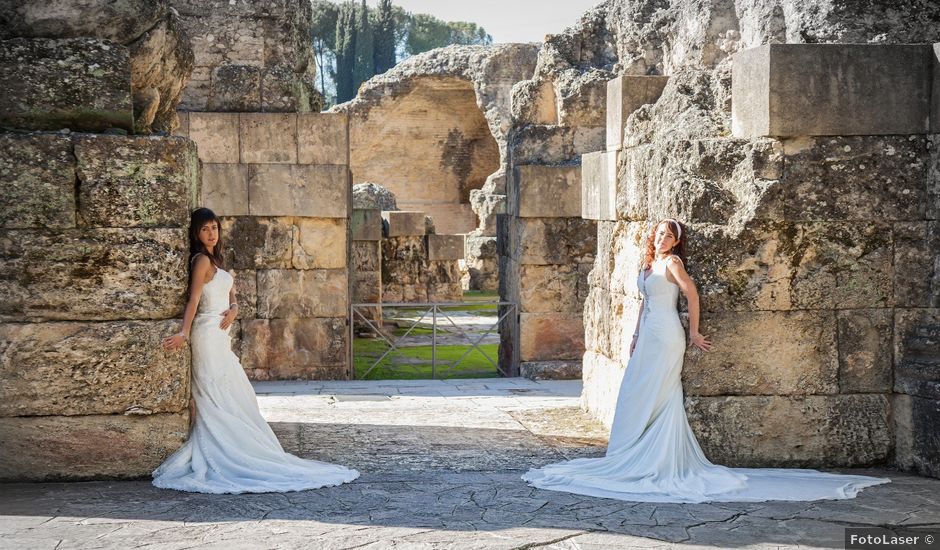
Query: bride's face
point(209, 234)
point(664, 240)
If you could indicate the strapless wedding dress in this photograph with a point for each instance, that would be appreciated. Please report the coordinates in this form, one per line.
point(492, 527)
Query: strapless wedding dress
point(653, 455)
point(231, 449)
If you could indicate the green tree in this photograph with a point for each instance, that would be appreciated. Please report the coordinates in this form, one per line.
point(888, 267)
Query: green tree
point(354, 42)
point(384, 39)
point(426, 32)
point(323, 33)
point(364, 66)
point(345, 51)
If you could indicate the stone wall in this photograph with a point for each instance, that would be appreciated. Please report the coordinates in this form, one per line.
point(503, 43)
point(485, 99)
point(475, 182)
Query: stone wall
point(418, 266)
point(93, 253)
point(280, 182)
point(127, 64)
point(93, 240)
point(250, 56)
point(815, 253)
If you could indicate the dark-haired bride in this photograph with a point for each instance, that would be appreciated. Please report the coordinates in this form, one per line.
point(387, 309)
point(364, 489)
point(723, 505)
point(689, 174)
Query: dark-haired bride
point(653, 455)
point(231, 449)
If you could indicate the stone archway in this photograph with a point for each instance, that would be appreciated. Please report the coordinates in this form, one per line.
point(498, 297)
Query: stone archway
point(430, 146)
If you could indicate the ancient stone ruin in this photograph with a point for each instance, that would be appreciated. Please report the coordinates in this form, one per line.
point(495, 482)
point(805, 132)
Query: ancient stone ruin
point(797, 142)
point(92, 239)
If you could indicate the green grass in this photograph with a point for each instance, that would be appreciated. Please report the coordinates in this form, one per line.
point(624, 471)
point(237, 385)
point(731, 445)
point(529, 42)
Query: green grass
point(474, 365)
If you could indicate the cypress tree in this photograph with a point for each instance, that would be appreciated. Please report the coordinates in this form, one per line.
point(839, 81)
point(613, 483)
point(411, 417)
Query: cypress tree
point(364, 67)
point(384, 37)
point(345, 52)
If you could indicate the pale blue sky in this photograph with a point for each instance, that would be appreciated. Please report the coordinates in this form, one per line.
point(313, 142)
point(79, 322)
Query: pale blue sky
point(505, 20)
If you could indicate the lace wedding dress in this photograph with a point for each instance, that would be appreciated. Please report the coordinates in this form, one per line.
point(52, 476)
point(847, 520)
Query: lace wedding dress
point(653, 455)
point(231, 449)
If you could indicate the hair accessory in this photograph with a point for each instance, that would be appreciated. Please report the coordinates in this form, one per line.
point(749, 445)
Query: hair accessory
point(678, 227)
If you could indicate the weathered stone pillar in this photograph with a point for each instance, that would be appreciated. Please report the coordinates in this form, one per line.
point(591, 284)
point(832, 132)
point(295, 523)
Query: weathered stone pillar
point(545, 255)
point(92, 250)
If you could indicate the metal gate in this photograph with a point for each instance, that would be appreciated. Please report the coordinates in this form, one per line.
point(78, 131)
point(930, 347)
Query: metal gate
point(432, 351)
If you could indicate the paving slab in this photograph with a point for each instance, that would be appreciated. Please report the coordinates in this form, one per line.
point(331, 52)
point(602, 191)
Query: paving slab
point(440, 469)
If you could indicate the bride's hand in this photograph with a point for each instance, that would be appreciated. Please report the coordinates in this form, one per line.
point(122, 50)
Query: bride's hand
point(700, 341)
point(228, 317)
point(174, 342)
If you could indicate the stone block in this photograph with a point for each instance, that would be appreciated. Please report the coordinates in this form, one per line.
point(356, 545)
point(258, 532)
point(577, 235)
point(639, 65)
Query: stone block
point(550, 336)
point(793, 431)
point(235, 88)
point(831, 89)
point(216, 136)
point(51, 448)
point(298, 190)
point(918, 376)
point(912, 334)
point(918, 442)
point(599, 185)
point(548, 240)
point(549, 288)
point(91, 368)
point(917, 264)
point(92, 274)
point(865, 352)
point(444, 282)
point(551, 370)
point(285, 349)
point(225, 189)
point(37, 181)
point(859, 178)
point(366, 256)
point(626, 94)
point(35, 96)
point(400, 223)
point(366, 224)
point(268, 138)
point(782, 266)
point(765, 353)
point(601, 378)
point(935, 89)
point(136, 181)
point(319, 243)
point(545, 192)
point(258, 243)
point(288, 293)
point(322, 138)
point(695, 181)
point(246, 292)
point(445, 247)
point(367, 287)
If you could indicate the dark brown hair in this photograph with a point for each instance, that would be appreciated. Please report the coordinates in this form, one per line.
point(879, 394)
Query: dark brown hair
point(199, 218)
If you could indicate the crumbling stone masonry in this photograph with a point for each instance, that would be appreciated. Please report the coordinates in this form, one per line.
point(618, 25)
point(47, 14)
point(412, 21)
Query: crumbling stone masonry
point(250, 56)
point(92, 241)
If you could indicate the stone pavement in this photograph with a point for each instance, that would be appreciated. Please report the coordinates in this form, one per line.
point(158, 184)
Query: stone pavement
point(440, 463)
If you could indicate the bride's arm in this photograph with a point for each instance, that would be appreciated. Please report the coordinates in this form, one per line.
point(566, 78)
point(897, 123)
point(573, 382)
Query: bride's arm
point(200, 271)
point(687, 286)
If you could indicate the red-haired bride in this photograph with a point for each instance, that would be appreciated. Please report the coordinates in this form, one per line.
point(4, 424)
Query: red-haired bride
point(653, 455)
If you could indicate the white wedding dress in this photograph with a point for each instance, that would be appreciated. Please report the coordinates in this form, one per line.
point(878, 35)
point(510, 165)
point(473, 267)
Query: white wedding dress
point(653, 455)
point(231, 449)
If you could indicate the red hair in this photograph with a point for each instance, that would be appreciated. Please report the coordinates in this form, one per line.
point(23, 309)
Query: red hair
point(677, 229)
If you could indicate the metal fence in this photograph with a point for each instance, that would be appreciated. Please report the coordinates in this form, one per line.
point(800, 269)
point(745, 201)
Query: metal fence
point(392, 352)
